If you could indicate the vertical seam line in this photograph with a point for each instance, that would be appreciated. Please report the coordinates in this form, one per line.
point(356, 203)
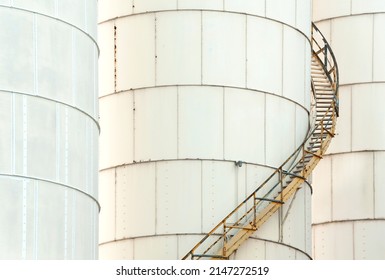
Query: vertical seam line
point(246, 50)
point(373, 38)
point(156, 49)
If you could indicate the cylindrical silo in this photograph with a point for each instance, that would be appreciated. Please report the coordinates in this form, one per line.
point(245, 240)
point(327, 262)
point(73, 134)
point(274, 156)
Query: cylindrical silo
point(187, 88)
point(49, 129)
point(348, 213)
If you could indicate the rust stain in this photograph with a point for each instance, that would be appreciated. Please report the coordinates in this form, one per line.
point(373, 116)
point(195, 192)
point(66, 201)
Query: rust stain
point(115, 50)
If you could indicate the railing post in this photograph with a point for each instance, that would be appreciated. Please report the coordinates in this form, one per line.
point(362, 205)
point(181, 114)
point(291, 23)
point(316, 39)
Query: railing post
point(224, 239)
point(255, 209)
point(280, 173)
point(326, 46)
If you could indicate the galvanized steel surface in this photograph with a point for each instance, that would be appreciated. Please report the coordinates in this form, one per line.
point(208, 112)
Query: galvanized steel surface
point(49, 130)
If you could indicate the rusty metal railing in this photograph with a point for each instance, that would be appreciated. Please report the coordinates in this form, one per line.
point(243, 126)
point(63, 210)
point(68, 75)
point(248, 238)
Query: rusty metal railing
point(267, 198)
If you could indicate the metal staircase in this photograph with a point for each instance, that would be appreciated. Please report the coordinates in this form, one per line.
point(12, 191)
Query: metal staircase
point(224, 239)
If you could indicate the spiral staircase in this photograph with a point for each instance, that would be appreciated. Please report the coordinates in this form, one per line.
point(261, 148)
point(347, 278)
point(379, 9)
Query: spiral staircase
point(224, 239)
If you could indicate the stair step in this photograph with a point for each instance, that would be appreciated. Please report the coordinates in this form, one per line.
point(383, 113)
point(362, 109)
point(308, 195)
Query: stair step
point(329, 98)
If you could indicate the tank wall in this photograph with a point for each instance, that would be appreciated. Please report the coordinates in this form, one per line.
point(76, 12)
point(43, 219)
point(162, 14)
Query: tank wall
point(345, 206)
point(185, 99)
point(49, 120)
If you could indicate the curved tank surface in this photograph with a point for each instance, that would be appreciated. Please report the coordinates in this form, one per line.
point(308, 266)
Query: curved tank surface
point(348, 212)
point(49, 130)
point(187, 89)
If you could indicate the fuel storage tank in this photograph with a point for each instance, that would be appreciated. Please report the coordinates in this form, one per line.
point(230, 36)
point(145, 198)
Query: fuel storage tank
point(349, 185)
point(188, 88)
point(49, 129)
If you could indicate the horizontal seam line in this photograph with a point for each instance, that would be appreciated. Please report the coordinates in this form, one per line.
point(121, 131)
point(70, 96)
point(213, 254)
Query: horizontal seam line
point(205, 85)
point(55, 101)
point(52, 182)
point(58, 19)
point(205, 10)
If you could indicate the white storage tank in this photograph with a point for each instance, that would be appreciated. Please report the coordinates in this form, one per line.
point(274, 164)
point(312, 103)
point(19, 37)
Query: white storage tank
point(187, 88)
point(348, 212)
point(49, 130)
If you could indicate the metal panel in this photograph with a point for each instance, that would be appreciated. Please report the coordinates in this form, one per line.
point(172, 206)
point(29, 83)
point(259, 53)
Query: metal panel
point(73, 11)
point(334, 241)
point(40, 6)
point(301, 125)
point(368, 116)
point(264, 49)
point(54, 77)
point(364, 6)
point(200, 122)
point(6, 132)
point(342, 142)
point(109, 9)
point(107, 203)
point(252, 249)
point(270, 230)
point(106, 59)
point(17, 52)
point(322, 197)
point(301, 256)
point(41, 138)
point(201, 4)
point(118, 250)
point(218, 191)
point(135, 200)
point(307, 92)
point(92, 158)
point(294, 221)
point(156, 248)
point(51, 214)
point(379, 183)
point(136, 64)
point(135, 57)
point(294, 65)
point(281, 10)
point(19, 127)
point(117, 143)
point(304, 16)
point(255, 176)
point(244, 125)
point(144, 6)
point(156, 124)
point(322, 9)
point(378, 49)
point(254, 7)
point(353, 31)
point(178, 201)
point(369, 242)
point(91, 18)
point(85, 237)
point(308, 218)
point(224, 49)
point(84, 79)
point(178, 40)
point(186, 242)
point(241, 183)
point(275, 251)
point(76, 139)
point(279, 145)
point(352, 195)
point(11, 199)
